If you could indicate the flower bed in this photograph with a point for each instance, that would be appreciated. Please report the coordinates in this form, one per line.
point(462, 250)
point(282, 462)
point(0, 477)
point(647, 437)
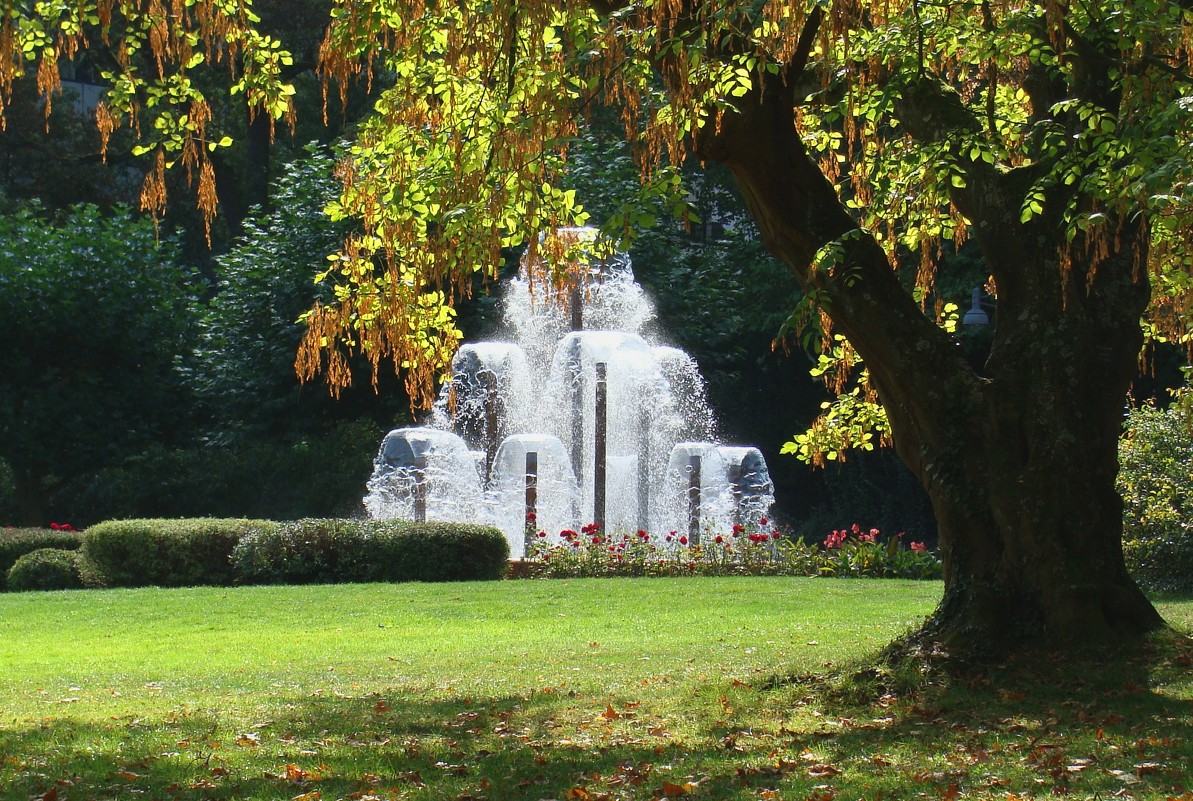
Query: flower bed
point(743, 551)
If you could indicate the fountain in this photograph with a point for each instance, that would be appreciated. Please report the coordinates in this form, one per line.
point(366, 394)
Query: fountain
point(577, 418)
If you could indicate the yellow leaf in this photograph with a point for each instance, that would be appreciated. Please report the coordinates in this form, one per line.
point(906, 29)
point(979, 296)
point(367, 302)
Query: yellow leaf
point(675, 790)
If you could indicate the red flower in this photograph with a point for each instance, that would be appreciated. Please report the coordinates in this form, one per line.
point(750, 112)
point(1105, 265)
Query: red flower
point(835, 539)
point(683, 540)
point(738, 528)
point(919, 546)
point(718, 539)
point(542, 533)
point(775, 534)
point(763, 521)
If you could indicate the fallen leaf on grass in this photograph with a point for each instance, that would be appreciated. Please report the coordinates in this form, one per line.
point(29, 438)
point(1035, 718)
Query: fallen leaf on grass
point(1126, 777)
point(248, 740)
point(823, 769)
point(413, 777)
point(671, 790)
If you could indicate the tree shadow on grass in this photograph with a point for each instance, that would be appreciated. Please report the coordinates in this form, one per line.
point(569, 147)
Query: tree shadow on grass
point(1032, 727)
point(328, 747)
point(1042, 723)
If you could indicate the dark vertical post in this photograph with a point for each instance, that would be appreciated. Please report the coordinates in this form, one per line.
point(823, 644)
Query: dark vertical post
point(420, 489)
point(694, 499)
point(532, 501)
point(492, 422)
point(600, 445)
point(644, 469)
point(735, 485)
point(576, 301)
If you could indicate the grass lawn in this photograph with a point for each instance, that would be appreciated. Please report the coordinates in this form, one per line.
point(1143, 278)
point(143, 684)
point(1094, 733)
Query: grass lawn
point(581, 689)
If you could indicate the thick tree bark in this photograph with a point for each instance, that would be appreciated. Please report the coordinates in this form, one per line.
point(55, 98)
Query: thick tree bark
point(1020, 461)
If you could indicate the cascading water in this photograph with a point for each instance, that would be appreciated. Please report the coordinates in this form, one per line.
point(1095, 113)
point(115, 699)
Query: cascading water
point(575, 416)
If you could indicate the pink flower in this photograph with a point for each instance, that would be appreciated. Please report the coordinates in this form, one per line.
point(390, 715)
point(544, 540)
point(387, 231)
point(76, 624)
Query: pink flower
point(919, 546)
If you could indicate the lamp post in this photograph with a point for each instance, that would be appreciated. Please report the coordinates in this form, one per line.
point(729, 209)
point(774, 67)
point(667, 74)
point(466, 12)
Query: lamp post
point(976, 314)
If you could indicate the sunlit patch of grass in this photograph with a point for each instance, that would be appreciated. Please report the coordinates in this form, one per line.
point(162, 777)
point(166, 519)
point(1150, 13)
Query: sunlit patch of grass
point(600, 689)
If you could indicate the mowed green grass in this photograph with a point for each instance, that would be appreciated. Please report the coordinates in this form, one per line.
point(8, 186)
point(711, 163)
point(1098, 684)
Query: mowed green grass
point(600, 689)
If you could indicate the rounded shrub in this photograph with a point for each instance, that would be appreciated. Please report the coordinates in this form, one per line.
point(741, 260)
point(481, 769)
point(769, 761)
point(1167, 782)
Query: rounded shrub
point(168, 553)
point(16, 542)
point(328, 551)
point(45, 569)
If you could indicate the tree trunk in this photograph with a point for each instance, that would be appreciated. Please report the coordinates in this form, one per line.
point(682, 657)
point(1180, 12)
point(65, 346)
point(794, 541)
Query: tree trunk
point(1031, 523)
point(1018, 461)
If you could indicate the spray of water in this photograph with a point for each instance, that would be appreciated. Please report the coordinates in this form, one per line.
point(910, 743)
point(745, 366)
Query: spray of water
point(520, 426)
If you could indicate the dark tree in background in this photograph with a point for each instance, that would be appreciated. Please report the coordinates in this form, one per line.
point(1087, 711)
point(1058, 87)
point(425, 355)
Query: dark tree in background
point(95, 318)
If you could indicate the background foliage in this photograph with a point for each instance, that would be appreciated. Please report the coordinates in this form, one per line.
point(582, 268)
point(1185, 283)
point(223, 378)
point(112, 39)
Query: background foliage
point(1156, 482)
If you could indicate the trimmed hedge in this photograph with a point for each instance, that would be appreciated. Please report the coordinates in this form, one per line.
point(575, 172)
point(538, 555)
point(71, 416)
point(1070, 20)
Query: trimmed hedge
point(318, 551)
point(16, 542)
point(168, 553)
point(45, 569)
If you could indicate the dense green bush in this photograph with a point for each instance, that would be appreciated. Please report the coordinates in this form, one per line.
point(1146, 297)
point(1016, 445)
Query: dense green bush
point(168, 553)
point(336, 551)
point(16, 542)
point(312, 551)
point(45, 569)
point(323, 474)
point(1156, 482)
point(443, 552)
